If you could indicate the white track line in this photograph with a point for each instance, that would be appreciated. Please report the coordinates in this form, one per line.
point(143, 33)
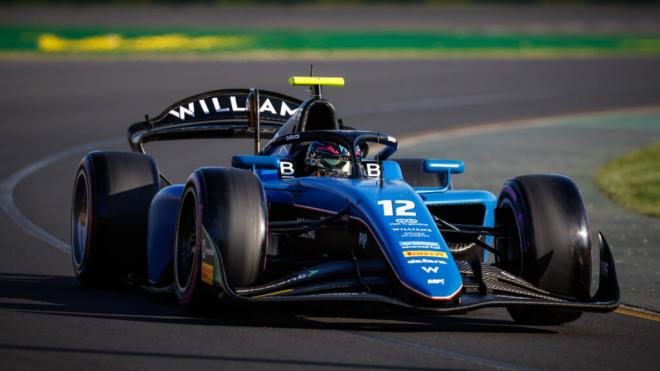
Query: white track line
point(429, 136)
point(446, 102)
point(9, 184)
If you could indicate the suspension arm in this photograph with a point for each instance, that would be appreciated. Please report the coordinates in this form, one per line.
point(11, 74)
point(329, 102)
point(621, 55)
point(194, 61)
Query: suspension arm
point(446, 227)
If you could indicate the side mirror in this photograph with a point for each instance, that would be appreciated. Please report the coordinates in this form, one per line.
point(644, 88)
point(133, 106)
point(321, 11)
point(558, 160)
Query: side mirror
point(255, 162)
point(444, 166)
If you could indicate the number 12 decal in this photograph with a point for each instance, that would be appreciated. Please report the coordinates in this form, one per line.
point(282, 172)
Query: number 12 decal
point(403, 210)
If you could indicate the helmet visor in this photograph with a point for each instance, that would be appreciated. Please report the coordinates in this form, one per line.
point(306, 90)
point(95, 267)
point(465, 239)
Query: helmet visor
point(334, 162)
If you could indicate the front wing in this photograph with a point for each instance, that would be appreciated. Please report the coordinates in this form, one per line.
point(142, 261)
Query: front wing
point(491, 287)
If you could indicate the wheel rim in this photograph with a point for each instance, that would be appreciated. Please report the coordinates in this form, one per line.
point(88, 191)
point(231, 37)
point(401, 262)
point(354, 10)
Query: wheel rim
point(186, 243)
point(511, 246)
point(80, 220)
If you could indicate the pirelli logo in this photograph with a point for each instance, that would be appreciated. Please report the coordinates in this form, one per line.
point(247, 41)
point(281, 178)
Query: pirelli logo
point(420, 253)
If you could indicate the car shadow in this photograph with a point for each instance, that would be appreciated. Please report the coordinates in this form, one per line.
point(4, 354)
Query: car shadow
point(63, 296)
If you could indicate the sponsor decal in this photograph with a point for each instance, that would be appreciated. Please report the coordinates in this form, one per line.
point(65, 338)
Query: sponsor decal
point(419, 244)
point(415, 235)
point(430, 269)
point(372, 169)
point(420, 253)
point(207, 273)
point(206, 250)
point(286, 169)
point(426, 261)
point(311, 235)
point(435, 281)
point(413, 232)
point(215, 105)
point(362, 240)
point(411, 229)
point(299, 277)
point(407, 221)
point(293, 136)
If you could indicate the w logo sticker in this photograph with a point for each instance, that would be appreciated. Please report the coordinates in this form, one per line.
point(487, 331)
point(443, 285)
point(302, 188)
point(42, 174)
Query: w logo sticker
point(430, 269)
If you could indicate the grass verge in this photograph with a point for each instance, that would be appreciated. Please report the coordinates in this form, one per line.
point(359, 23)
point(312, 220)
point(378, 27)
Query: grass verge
point(104, 41)
point(633, 180)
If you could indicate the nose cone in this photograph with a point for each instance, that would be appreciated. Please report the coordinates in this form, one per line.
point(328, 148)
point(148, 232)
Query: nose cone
point(429, 272)
point(411, 242)
point(403, 226)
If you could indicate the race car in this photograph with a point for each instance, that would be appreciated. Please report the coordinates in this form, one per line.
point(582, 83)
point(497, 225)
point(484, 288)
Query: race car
point(323, 213)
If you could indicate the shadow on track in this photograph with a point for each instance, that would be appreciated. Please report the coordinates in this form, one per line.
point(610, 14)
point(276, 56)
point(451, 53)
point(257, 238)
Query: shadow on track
point(63, 296)
point(197, 357)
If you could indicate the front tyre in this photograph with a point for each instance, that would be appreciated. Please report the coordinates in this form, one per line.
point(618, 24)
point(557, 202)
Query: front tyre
point(228, 204)
point(550, 244)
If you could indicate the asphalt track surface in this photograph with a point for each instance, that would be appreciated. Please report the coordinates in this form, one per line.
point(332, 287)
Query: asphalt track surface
point(570, 19)
point(48, 321)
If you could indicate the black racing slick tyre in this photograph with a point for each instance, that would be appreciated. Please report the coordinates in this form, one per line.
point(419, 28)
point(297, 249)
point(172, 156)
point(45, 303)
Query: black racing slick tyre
point(111, 198)
point(230, 205)
point(549, 243)
point(414, 174)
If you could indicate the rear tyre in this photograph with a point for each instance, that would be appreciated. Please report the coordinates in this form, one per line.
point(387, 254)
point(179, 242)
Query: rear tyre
point(551, 247)
point(230, 205)
point(111, 198)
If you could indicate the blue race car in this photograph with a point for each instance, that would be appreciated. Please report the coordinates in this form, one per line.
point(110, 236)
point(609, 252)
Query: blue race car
point(323, 214)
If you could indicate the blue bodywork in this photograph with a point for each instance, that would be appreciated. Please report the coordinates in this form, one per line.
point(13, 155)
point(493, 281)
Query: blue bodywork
point(161, 233)
point(396, 215)
point(408, 236)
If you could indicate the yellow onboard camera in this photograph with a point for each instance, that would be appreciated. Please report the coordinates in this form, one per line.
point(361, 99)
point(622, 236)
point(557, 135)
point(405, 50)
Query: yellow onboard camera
point(316, 82)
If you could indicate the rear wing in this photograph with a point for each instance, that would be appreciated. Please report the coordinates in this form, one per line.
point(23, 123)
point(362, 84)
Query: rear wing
point(228, 113)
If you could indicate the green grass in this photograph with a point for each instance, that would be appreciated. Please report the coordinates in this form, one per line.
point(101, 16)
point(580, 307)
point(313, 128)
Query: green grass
point(633, 180)
point(346, 43)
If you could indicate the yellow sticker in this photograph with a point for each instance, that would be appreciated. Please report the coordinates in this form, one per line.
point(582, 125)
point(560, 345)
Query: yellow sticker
point(207, 273)
point(417, 253)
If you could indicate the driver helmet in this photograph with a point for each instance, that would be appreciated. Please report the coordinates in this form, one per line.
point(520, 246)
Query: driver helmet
point(329, 159)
